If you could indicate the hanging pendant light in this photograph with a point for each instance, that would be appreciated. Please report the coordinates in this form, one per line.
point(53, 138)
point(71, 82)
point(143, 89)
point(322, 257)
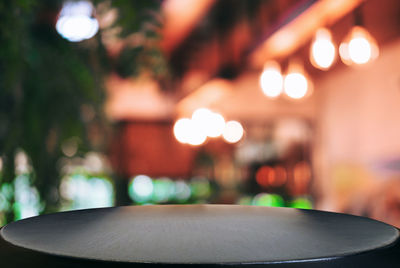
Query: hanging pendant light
point(297, 84)
point(323, 51)
point(271, 80)
point(359, 46)
point(76, 21)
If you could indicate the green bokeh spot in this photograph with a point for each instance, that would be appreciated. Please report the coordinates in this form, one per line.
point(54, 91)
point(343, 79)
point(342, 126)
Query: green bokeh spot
point(301, 202)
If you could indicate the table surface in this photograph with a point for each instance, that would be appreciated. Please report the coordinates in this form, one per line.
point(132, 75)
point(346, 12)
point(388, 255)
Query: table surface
point(200, 234)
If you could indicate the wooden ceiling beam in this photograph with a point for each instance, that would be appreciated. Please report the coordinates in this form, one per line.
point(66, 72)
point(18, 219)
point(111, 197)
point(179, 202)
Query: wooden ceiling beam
point(297, 28)
point(180, 19)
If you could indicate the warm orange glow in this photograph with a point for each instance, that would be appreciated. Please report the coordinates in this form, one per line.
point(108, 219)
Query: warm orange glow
point(359, 47)
point(265, 175)
point(301, 178)
point(207, 95)
point(323, 51)
point(139, 98)
point(344, 53)
point(271, 80)
point(180, 17)
point(280, 176)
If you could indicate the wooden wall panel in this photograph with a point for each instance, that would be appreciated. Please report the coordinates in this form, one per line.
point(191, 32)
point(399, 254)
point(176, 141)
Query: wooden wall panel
point(150, 148)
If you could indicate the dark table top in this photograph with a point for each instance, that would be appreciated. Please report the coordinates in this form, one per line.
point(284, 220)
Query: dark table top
point(202, 235)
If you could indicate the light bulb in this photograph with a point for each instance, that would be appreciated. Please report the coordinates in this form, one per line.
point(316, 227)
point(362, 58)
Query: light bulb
point(233, 132)
point(295, 85)
point(202, 118)
point(216, 125)
point(187, 131)
point(182, 130)
point(359, 47)
point(360, 50)
point(196, 135)
point(271, 80)
point(322, 54)
point(209, 122)
point(143, 186)
point(76, 22)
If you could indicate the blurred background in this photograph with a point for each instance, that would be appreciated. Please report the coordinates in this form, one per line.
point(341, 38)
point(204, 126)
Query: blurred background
point(264, 102)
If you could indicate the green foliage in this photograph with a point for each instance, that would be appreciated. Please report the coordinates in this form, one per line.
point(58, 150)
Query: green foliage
point(132, 14)
point(140, 21)
point(46, 83)
point(127, 55)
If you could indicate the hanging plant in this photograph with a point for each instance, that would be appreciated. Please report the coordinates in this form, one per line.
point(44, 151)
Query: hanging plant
point(52, 89)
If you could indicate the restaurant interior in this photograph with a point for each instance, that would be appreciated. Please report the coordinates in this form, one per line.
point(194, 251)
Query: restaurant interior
point(282, 103)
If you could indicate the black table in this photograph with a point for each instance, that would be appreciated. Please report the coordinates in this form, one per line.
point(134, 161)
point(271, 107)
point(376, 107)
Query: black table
point(199, 235)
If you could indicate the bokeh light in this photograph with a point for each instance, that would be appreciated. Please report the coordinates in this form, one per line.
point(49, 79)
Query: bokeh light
point(359, 47)
point(204, 123)
point(27, 199)
point(233, 132)
point(200, 188)
point(302, 203)
point(265, 175)
point(80, 191)
point(217, 125)
point(163, 190)
point(76, 22)
point(323, 50)
point(202, 116)
point(271, 80)
point(268, 200)
point(22, 163)
point(141, 188)
point(296, 85)
point(210, 122)
point(280, 176)
point(301, 178)
point(245, 201)
point(359, 50)
point(182, 130)
point(187, 131)
point(182, 191)
point(70, 147)
point(6, 200)
point(197, 135)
